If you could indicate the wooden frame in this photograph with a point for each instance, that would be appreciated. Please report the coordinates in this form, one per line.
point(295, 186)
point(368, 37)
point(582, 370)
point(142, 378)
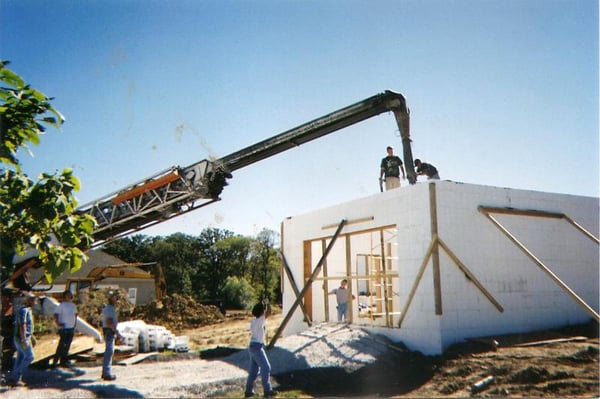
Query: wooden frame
point(308, 284)
point(487, 211)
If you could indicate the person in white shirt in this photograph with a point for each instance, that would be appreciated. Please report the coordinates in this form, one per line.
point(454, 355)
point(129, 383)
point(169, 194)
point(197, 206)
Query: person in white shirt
point(258, 356)
point(65, 316)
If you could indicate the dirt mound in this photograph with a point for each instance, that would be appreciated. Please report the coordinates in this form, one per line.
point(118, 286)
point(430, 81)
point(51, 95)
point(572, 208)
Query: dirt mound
point(177, 313)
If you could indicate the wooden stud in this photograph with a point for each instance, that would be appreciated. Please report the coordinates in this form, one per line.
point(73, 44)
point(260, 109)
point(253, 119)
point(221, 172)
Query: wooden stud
point(435, 255)
point(349, 311)
point(325, 282)
point(353, 221)
point(307, 297)
point(581, 229)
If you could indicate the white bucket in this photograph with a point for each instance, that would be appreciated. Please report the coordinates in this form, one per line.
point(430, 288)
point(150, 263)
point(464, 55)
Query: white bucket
point(182, 343)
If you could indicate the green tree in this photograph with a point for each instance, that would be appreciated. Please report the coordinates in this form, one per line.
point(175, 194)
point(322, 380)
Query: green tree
point(32, 212)
point(217, 264)
point(236, 250)
point(265, 265)
point(215, 261)
point(238, 293)
point(178, 254)
point(131, 249)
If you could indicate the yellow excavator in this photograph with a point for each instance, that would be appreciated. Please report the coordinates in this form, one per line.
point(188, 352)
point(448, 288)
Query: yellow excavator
point(125, 270)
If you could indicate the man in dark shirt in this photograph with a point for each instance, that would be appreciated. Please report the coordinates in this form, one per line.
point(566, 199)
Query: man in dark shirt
point(390, 170)
point(427, 169)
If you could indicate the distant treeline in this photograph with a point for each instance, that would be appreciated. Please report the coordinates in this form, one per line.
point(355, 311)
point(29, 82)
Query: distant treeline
point(215, 265)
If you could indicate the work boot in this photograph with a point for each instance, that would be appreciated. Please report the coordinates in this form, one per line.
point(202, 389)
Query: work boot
point(270, 394)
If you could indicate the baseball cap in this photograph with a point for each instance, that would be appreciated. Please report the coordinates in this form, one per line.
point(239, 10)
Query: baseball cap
point(112, 294)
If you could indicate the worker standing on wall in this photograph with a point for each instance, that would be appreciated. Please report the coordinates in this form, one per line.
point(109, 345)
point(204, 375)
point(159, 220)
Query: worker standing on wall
point(391, 166)
point(427, 169)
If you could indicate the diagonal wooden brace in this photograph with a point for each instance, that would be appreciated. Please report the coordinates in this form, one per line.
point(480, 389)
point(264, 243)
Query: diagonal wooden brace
point(309, 282)
point(290, 276)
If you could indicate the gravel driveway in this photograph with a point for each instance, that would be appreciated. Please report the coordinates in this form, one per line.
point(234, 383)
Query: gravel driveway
point(326, 345)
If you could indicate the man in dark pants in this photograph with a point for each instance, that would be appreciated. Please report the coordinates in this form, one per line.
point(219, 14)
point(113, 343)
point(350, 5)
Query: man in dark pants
point(65, 316)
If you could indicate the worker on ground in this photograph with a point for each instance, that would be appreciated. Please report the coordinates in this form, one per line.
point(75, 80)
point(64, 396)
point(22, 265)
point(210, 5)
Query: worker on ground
point(341, 296)
point(426, 169)
point(258, 357)
point(109, 328)
point(391, 166)
point(24, 340)
point(65, 316)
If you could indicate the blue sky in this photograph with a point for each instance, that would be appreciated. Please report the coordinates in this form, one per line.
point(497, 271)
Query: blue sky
point(502, 93)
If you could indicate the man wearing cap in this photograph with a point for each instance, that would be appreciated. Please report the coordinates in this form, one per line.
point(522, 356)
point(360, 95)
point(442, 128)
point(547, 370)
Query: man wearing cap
point(23, 340)
point(391, 166)
point(109, 328)
point(426, 169)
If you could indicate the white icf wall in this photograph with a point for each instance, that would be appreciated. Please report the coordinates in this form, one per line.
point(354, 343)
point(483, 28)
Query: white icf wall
point(530, 299)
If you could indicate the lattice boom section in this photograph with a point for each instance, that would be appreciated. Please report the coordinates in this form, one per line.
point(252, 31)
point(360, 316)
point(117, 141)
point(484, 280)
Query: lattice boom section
point(168, 194)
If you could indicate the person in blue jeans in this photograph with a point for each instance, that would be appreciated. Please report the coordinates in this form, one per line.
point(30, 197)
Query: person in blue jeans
point(341, 296)
point(24, 340)
point(109, 328)
point(258, 356)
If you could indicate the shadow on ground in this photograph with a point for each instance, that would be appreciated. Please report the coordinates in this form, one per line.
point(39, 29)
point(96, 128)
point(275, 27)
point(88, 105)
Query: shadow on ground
point(60, 380)
point(393, 374)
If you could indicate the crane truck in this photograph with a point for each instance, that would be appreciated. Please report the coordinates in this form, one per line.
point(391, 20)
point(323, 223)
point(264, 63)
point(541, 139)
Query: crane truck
point(178, 190)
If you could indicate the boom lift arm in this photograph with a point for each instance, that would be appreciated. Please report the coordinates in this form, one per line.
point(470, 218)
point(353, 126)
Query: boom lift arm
point(178, 190)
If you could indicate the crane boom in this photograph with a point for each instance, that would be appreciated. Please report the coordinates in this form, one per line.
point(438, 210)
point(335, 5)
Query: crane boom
point(178, 190)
